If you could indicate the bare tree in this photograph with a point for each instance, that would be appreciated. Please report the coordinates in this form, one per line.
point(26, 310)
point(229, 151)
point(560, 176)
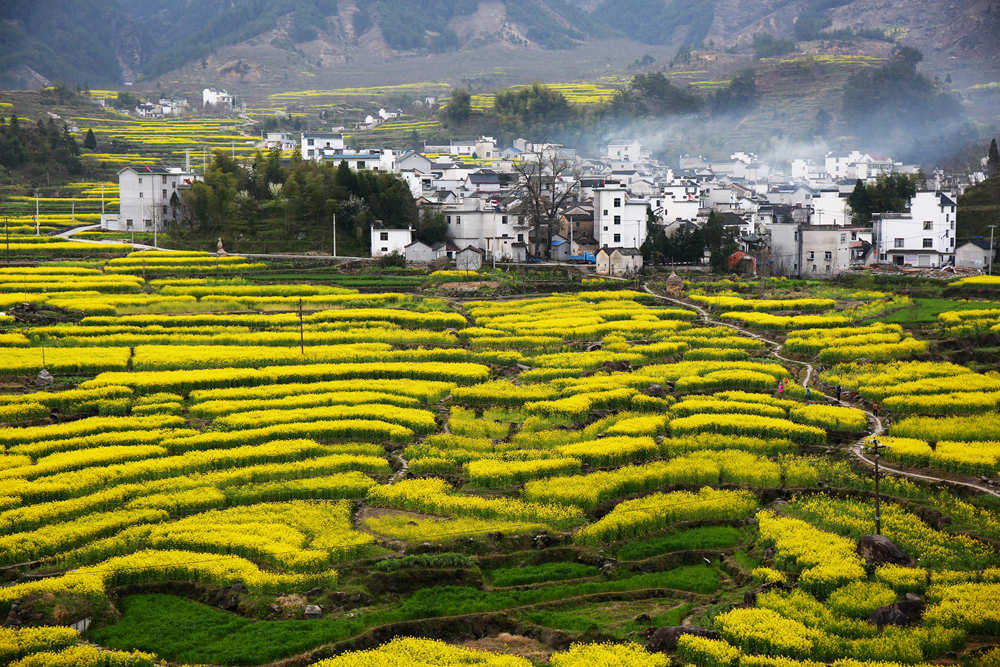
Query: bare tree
point(547, 183)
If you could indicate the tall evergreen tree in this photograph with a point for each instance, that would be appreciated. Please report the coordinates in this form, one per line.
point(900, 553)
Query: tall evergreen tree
point(993, 160)
point(90, 141)
point(861, 203)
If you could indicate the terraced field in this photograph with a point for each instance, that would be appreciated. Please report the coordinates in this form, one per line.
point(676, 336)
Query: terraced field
point(227, 471)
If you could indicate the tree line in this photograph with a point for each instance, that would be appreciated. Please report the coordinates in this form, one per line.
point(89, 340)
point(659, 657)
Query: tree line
point(35, 149)
point(265, 205)
point(539, 112)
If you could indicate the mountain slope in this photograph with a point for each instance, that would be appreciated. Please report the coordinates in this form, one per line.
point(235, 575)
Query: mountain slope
point(111, 41)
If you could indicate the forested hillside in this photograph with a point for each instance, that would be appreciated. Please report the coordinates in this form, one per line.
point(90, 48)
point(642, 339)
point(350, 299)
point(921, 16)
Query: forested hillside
point(112, 41)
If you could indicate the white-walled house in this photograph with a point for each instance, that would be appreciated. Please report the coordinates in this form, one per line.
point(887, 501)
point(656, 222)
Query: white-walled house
point(421, 253)
point(502, 234)
point(831, 208)
point(629, 151)
point(619, 220)
point(414, 160)
point(317, 145)
point(924, 237)
point(486, 149)
point(813, 251)
point(374, 160)
point(618, 261)
point(386, 241)
point(214, 97)
point(974, 254)
point(148, 198)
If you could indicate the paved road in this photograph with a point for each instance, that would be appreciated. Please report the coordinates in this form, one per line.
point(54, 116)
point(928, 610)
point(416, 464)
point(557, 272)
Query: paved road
point(857, 449)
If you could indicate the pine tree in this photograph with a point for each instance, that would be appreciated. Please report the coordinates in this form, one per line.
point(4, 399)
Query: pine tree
point(993, 161)
point(90, 141)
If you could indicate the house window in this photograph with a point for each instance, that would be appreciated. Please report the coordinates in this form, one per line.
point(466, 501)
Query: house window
point(140, 195)
point(605, 228)
point(811, 255)
point(361, 164)
point(814, 268)
point(128, 223)
point(843, 238)
point(898, 242)
point(384, 249)
point(854, 236)
point(140, 180)
point(164, 178)
point(928, 243)
point(618, 220)
point(458, 219)
point(828, 255)
point(383, 236)
point(164, 193)
point(309, 142)
point(928, 225)
point(520, 238)
point(503, 220)
point(828, 268)
point(618, 202)
point(605, 211)
point(618, 238)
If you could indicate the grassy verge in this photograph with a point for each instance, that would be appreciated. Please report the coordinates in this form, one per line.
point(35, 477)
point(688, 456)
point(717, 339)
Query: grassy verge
point(180, 630)
point(703, 537)
point(925, 311)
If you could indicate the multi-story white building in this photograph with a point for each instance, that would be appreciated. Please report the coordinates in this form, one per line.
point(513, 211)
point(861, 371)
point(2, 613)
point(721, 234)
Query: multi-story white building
point(814, 251)
point(214, 97)
point(924, 237)
point(284, 141)
point(619, 220)
point(317, 145)
point(830, 208)
point(503, 235)
point(630, 151)
point(149, 198)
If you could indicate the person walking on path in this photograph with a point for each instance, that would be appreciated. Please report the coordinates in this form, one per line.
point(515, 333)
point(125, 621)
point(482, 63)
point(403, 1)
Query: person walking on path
point(781, 387)
point(838, 393)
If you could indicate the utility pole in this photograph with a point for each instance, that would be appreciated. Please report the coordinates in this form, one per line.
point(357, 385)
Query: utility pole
point(989, 270)
point(876, 448)
point(36, 212)
point(333, 230)
point(6, 230)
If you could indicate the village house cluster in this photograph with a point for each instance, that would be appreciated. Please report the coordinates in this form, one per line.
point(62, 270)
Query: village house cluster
point(544, 201)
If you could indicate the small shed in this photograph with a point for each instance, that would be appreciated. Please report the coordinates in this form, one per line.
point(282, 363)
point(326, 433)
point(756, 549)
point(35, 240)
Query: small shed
point(973, 254)
point(560, 248)
point(469, 258)
point(419, 252)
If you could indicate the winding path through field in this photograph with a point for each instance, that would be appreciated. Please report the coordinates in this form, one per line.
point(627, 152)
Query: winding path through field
point(857, 449)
